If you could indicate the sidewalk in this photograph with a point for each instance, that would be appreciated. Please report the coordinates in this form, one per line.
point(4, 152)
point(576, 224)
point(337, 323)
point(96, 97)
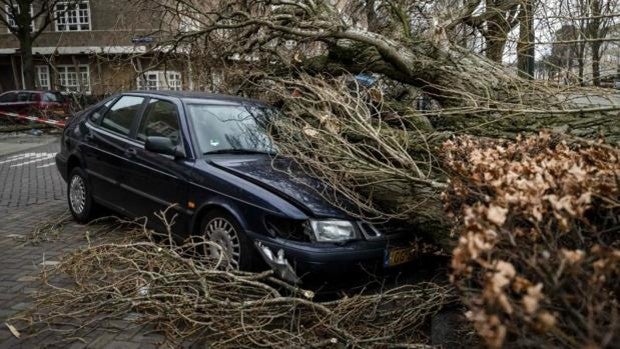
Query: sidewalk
point(31, 193)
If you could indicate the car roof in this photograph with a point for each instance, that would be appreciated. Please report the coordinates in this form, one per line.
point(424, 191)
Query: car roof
point(30, 91)
point(197, 95)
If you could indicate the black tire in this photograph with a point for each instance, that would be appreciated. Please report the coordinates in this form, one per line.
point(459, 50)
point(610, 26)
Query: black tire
point(82, 211)
point(248, 257)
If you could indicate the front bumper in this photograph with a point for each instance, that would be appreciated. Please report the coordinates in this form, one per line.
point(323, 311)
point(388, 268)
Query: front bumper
point(331, 259)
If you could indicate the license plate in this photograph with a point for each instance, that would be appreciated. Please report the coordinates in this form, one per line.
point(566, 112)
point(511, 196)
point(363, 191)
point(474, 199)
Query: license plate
point(398, 256)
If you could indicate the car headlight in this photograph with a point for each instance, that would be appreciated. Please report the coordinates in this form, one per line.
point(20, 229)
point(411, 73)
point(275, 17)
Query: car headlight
point(333, 230)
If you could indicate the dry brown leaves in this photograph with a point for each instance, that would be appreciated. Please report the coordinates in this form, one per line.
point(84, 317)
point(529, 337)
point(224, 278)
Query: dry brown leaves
point(537, 259)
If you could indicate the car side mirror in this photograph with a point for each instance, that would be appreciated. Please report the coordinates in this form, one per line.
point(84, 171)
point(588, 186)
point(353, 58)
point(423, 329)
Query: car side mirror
point(163, 145)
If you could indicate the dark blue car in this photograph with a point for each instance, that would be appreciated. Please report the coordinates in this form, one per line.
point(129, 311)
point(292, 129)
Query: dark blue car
point(210, 156)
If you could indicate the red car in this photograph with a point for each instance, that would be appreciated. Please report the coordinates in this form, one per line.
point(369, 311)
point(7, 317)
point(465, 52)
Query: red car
point(35, 103)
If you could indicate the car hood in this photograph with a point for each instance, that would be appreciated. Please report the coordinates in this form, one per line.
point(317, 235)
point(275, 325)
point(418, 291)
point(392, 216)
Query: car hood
point(282, 177)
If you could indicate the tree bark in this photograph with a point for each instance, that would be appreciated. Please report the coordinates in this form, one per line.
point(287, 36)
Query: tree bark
point(595, 36)
point(27, 61)
point(581, 65)
point(24, 21)
point(496, 38)
point(596, 69)
point(525, 46)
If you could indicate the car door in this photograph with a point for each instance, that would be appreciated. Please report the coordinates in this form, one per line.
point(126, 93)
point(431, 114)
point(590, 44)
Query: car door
point(105, 149)
point(156, 181)
point(24, 104)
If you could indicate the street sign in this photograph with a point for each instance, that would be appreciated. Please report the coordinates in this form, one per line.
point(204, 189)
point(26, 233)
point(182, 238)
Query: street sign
point(143, 40)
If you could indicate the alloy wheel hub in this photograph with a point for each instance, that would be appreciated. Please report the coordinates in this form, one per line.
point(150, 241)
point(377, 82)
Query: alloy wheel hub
point(221, 232)
point(77, 194)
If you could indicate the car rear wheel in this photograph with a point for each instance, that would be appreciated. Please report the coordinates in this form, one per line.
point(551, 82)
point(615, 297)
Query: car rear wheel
point(235, 249)
point(79, 196)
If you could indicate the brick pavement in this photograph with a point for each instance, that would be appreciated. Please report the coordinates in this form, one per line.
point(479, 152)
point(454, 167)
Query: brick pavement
point(30, 194)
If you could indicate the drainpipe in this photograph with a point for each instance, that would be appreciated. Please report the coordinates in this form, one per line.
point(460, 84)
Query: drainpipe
point(21, 59)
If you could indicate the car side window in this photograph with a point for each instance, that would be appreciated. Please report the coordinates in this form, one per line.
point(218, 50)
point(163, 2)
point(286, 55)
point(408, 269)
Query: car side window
point(120, 117)
point(8, 97)
point(96, 115)
point(23, 97)
point(52, 97)
point(161, 119)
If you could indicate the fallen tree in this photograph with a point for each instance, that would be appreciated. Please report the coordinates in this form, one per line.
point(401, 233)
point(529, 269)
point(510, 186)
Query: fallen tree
point(403, 41)
point(387, 162)
point(378, 151)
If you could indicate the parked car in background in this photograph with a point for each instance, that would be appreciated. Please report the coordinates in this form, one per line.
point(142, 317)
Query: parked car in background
point(141, 152)
point(39, 103)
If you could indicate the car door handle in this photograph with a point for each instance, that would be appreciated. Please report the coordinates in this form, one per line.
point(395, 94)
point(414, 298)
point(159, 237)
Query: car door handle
point(131, 152)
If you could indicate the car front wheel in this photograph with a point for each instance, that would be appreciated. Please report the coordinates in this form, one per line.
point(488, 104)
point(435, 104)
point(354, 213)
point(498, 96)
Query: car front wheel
point(79, 196)
point(233, 247)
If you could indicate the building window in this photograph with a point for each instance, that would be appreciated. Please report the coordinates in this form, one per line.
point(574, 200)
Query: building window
point(74, 79)
point(43, 77)
point(11, 21)
point(72, 16)
point(157, 80)
point(188, 24)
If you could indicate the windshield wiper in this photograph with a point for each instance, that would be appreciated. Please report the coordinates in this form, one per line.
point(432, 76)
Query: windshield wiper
point(238, 151)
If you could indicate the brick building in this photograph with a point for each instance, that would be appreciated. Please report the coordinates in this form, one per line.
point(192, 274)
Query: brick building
point(95, 48)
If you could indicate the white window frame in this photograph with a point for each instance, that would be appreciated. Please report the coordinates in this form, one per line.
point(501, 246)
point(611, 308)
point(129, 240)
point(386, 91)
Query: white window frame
point(80, 87)
point(164, 80)
point(66, 17)
point(11, 21)
point(43, 74)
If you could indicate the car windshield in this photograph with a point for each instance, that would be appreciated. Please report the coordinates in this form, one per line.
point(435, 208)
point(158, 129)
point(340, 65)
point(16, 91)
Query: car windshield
point(232, 128)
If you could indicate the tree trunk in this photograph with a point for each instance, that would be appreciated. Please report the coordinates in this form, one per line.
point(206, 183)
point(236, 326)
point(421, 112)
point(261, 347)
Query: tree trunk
point(496, 42)
point(595, 36)
point(27, 62)
point(371, 15)
point(499, 104)
point(525, 46)
point(581, 64)
point(596, 69)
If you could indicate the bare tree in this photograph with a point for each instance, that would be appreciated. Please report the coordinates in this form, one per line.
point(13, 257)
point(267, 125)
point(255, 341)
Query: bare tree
point(527, 38)
point(598, 27)
point(590, 22)
point(26, 20)
point(494, 20)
